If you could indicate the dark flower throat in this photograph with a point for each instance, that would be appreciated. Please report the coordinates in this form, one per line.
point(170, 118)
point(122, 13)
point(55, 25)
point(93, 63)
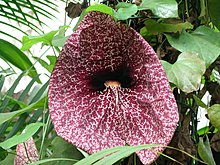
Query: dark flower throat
point(121, 75)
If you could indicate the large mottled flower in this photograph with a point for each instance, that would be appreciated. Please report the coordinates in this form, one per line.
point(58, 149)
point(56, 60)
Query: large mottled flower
point(109, 89)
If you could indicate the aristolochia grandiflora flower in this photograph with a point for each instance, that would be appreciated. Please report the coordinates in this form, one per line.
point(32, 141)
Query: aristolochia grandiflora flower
point(109, 89)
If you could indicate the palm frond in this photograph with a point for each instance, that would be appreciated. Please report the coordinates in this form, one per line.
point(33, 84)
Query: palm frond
point(26, 13)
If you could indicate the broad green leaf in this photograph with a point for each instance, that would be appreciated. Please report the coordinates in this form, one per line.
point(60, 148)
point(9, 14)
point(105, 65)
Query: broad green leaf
point(205, 151)
point(155, 28)
point(29, 41)
point(10, 115)
point(199, 102)
point(161, 8)
point(125, 10)
point(16, 57)
point(30, 130)
point(100, 7)
point(213, 7)
point(9, 159)
point(214, 115)
point(203, 41)
point(62, 149)
point(52, 160)
point(189, 65)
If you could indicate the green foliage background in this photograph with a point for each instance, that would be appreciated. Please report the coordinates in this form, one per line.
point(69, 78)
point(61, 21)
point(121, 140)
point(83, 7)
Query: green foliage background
point(184, 33)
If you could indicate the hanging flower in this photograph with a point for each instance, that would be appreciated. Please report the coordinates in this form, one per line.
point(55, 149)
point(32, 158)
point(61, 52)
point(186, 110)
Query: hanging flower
point(26, 153)
point(109, 89)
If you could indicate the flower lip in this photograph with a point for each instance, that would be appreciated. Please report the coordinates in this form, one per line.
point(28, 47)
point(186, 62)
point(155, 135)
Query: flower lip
point(120, 77)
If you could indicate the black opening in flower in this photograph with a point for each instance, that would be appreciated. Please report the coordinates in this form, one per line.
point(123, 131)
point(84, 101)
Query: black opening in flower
point(121, 75)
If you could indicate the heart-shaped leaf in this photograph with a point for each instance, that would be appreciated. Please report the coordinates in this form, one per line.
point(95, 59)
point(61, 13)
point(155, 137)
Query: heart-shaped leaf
point(163, 9)
point(214, 115)
point(186, 72)
point(203, 41)
point(125, 10)
point(100, 7)
point(155, 28)
point(62, 149)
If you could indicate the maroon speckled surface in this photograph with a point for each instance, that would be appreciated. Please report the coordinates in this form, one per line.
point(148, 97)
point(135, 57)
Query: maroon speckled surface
point(26, 154)
point(144, 113)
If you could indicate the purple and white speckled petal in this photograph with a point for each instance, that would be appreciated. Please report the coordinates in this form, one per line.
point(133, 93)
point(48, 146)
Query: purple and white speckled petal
point(143, 113)
point(26, 153)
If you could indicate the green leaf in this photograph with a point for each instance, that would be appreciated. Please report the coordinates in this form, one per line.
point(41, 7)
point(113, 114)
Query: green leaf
point(10, 115)
point(10, 92)
point(2, 80)
point(52, 60)
point(82, 15)
point(14, 101)
point(9, 159)
point(213, 7)
point(52, 160)
point(189, 65)
point(203, 41)
point(199, 102)
point(19, 122)
point(122, 151)
point(12, 54)
point(98, 155)
point(62, 149)
point(205, 151)
point(161, 8)
point(203, 11)
point(214, 115)
point(203, 131)
point(114, 157)
point(47, 66)
point(125, 10)
point(29, 41)
point(100, 7)
point(155, 28)
point(59, 40)
point(30, 130)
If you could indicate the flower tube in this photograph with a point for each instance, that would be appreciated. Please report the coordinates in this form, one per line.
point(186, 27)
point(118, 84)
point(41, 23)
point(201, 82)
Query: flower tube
point(109, 89)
